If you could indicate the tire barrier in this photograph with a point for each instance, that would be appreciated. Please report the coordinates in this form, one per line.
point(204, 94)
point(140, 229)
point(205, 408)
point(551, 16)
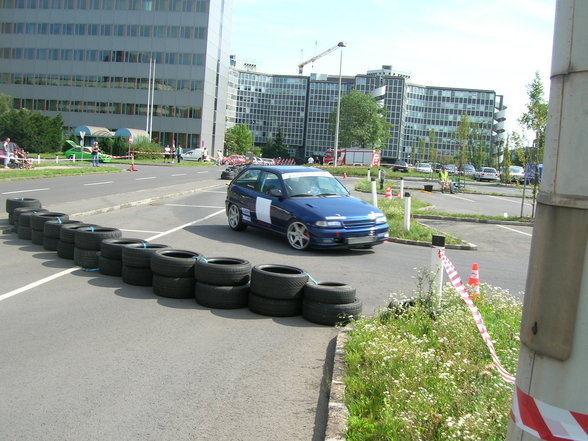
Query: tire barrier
point(136, 263)
point(215, 282)
point(38, 224)
point(222, 282)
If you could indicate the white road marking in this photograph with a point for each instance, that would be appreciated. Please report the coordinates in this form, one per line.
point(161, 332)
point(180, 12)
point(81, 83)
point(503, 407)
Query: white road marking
point(149, 177)
point(463, 199)
point(180, 174)
point(516, 231)
point(195, 206)
point(27, 191)
point(215, 191)
point(100, 183)
point(509, 200)
point(202, 172)
point(70, 270)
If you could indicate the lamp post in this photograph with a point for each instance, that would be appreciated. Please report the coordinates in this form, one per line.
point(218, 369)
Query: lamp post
point(335, 150)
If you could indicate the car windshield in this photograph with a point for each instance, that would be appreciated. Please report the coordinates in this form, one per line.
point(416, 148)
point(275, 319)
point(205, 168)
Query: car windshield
point(313, 184)
point(516, 169)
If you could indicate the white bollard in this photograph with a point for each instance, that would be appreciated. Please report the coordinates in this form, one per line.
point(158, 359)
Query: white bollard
point(38, 159)
point(407, 211)
point(401, 188)
point(369, 174)
point(374, 194)
point(57, 159)
point(437, 244)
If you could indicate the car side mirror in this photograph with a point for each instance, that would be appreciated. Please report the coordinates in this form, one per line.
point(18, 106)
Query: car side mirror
point(276, 192)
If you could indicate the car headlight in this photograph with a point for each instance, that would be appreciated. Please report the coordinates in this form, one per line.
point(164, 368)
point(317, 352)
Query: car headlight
point(381, 220)
point(328, 224)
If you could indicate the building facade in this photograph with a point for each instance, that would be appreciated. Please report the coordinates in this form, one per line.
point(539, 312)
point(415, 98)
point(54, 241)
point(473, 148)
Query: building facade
point(89, 60)
point(424, 119)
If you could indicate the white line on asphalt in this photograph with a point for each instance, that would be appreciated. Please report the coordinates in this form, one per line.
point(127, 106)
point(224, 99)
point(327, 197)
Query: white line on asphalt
point(100, 183)
point(463, 199)
point(180, 174)
point(70, 270)
point(202, 172)
point(509, 200)
point(214, 191)
point(26, 191)
point(181, 227)
point(195, 206)
point(149, 177)
point(516, 231)
point(37, 283)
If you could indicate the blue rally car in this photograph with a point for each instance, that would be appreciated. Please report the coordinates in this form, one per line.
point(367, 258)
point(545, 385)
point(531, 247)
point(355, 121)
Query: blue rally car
point(307, 205)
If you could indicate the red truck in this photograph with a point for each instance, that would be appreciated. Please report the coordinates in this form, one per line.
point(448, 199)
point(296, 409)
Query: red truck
point(353, 157)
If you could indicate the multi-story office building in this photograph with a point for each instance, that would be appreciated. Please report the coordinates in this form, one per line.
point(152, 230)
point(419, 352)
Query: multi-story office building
point(89, 60)
point(301, 106)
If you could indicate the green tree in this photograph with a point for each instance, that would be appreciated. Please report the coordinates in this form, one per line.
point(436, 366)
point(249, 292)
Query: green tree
point(5, 103)
point(462, 137)
point(432, 147)
point(276, 146)
point(535, 118)
point(238, 140)
point(33, 132)
point(506, 162)
point(362, 123)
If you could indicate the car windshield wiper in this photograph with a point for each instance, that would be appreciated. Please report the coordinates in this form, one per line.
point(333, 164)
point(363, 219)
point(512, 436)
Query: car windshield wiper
point(301, 195)
point(330, 194)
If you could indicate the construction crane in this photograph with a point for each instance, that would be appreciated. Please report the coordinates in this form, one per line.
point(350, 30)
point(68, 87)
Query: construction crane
point(322, 54)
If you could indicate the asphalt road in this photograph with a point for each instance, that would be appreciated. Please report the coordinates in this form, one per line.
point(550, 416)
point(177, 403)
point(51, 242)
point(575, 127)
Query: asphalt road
point(86, 356)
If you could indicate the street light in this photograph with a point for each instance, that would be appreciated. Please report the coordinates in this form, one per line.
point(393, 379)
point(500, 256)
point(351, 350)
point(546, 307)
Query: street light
point(335, 156)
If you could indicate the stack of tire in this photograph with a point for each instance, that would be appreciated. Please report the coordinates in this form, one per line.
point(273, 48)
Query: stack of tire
point(14, 203)
point(51, 232)
point(110, 258)
point(66, 244)
point(330, 303)
point(16, 215)
point(222, 282)
point(173, 273)
point(24, 229)
point(38, 221)
point(276, 290)
point(87, 244)
point(136, 263)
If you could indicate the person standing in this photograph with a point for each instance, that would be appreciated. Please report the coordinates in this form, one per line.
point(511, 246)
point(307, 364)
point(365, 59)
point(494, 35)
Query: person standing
point(444, 179)
point(166, 152)
point(179, 152)
point(95, 151)
point(5, 152)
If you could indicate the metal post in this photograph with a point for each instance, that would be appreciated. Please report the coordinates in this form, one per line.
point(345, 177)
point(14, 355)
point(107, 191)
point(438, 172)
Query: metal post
point(407, 211)
point(437, 244)
point(335, 151)
point(369, 174)
point(374, 194)
point(401, 188)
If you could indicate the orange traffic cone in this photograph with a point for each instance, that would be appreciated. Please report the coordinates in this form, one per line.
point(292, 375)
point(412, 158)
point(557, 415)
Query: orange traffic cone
point(388, 193)
point(474, 282)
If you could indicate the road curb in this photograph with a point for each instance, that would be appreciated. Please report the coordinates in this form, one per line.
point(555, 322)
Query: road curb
point(337, 411)
point(474, 220)
point(466, 247)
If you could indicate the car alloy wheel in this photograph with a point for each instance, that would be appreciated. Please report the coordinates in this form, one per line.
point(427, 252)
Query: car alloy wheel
point(235, 220)
point(298, 235)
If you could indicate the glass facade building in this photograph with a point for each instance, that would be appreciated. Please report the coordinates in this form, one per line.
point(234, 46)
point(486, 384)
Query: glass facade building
point(300, 106)
point(88, 60)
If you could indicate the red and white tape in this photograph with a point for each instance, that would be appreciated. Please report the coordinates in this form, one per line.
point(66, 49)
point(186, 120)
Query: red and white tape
point(547, 422)
point(459, 286)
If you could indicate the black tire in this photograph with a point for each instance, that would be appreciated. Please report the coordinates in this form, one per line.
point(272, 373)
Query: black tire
point(85, 258)
point(65, 250)
point(330, 314)
point(68, 231)
point(137, 276)
point(138, 255)
point(10, 219)
point(172, 262)
point(90, 239)
point(235, 218)
point(173, 287)
point(223, 271)
point(37, 237)
point(112, 248)
point(109, 267)
point(38, 219)
point(221, 297)
point(329, 292)
point(50, 243)
point(24, 219)
point(13, 203)
point(52, 228)
point(18, 211)
point(278, 281)
point(274, 307)
point(24, 232)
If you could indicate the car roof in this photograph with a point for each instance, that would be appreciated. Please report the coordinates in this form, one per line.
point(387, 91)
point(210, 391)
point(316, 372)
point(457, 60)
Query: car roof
point(281, 169)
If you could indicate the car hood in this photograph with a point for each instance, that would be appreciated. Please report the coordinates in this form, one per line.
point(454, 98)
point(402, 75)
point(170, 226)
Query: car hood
point(327, 206)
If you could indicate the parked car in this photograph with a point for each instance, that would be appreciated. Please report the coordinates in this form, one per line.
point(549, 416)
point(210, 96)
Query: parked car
point(85, 153)
point(307, 205)
point(193, 155)
point(423, 167)
point(401, 166)
point(451, 169)
point(233, 160)
point(468, 170)
point(516, 173)
point(486, 174)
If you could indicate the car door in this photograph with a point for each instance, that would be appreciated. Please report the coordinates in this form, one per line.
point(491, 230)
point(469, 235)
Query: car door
point(243, 192)
point(269, 211)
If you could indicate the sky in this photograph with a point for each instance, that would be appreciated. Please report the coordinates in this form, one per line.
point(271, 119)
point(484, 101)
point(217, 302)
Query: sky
point(480, 44)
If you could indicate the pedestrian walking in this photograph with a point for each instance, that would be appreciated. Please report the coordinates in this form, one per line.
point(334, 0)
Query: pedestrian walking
point(179, 152)
point(95, 151)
